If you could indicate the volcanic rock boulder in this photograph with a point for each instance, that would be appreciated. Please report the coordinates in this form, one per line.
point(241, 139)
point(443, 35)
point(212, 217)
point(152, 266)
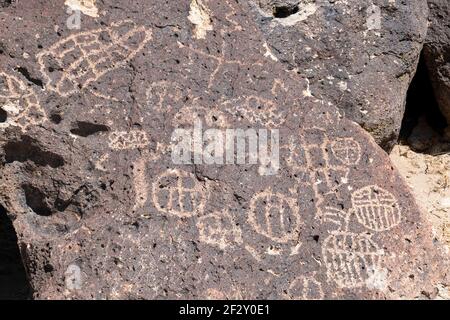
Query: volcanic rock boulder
point(167, 155)
point(361, 55)
point(437, 53)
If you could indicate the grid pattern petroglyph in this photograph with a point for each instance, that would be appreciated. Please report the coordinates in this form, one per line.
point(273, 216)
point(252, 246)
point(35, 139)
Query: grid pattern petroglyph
point(313, 161)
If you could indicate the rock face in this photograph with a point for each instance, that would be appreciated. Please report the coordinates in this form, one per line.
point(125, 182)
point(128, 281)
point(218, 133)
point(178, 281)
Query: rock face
point(361, 55)
point(123, 177)
point(437, 53)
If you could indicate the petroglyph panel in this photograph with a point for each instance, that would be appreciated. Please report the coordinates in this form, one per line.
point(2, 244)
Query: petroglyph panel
point(349, 258)
point(20, 103)
point(179, 193)
point(275, 216)
point(79, 60)
point(376, 208)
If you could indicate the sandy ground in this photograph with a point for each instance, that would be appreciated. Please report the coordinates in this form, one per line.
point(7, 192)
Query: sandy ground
point(424, 161)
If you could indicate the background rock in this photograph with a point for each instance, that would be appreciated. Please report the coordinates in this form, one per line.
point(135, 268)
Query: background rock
point(437, 53)
point(361, 55)
point(87, 167)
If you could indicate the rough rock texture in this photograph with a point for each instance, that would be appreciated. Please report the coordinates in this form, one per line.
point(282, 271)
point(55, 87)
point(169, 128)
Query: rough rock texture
point(102, 211)
point(360, 54)
point(437, 53)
